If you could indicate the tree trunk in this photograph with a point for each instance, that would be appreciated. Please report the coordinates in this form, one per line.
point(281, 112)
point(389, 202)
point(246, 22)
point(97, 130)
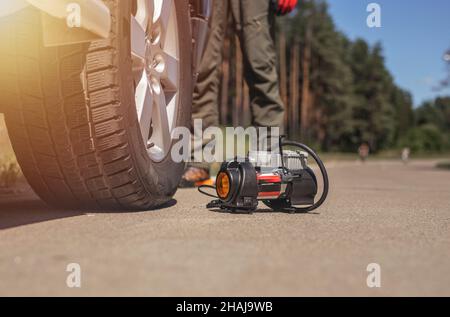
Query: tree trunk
point(294, 90)
point(306, 102)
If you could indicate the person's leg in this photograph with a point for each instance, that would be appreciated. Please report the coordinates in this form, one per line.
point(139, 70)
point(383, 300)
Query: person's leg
point(255, 25)
point(206, 92)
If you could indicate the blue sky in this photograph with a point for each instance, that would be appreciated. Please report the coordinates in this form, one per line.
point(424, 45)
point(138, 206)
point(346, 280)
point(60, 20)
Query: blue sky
point(414, 33)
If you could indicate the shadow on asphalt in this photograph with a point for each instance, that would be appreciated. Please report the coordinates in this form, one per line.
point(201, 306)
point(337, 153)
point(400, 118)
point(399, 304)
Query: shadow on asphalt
point(18, 210)
point(15, 212)
point(263, 211)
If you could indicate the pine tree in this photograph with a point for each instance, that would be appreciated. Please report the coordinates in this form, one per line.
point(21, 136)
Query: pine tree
point(338, 92)
point(374, 114)
point(326, 81)
point(436, 113)
point(404, 112)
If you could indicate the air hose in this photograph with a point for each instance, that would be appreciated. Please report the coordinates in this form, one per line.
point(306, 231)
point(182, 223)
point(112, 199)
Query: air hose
point(323, 170)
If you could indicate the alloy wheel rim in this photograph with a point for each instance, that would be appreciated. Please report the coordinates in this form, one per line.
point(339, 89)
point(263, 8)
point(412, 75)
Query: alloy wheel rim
point(156, 73)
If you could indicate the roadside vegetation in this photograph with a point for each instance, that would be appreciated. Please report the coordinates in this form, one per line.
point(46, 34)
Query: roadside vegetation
point(444, 165)
point(10, 173)
point(338, 92)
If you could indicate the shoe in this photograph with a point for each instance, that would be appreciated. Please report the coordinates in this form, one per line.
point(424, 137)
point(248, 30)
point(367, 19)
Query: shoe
point(194, 176)
point(208, 182)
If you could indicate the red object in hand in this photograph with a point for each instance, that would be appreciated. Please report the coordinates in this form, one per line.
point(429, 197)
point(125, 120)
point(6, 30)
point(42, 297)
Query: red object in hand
point(286, 6)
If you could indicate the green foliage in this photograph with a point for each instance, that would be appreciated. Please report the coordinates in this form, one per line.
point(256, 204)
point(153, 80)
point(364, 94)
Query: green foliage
point(404, 112)
point(431, 132)
point(436, 112)
point(425, 138)
point(374, 112)
point(355, 99)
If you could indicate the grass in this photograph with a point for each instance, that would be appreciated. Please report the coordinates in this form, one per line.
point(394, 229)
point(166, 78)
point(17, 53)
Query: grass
point(384, 155)
point(10, 173)
point(444, 165)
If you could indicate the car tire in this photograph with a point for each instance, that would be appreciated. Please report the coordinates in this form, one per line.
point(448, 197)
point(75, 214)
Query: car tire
point(72, 113)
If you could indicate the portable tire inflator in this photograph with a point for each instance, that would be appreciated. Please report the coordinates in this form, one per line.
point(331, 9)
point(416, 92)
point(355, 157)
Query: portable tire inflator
point(282, 181)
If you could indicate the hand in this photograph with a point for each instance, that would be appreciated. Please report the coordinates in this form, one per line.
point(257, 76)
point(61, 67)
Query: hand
point(286, 6)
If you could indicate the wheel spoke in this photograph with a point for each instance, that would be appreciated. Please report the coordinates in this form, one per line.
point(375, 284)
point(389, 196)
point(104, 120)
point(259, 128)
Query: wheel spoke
point(145, 13)
point(151, 12)
point(163, 9)
point(169, 76)
point(137, 72)
point(144, 105)
point(165, 12)
point(138, 40)
point(161, 131)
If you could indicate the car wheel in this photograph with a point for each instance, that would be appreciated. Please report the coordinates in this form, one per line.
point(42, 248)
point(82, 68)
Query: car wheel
point(91, 124)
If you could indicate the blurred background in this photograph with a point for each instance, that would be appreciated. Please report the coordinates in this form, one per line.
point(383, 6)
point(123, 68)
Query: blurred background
point(346, 84)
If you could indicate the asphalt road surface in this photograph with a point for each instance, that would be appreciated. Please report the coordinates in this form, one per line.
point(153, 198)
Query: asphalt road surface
point(383, 212)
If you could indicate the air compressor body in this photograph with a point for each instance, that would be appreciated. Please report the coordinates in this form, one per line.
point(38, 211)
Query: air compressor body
point(282, 181)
